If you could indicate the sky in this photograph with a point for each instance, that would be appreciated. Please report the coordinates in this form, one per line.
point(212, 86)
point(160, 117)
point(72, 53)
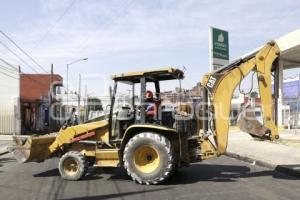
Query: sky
point(130, 35)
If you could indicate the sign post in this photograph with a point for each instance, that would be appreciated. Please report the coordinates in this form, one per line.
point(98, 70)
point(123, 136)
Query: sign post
point(218, 48)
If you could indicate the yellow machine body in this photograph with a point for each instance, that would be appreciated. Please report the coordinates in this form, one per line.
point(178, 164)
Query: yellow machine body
point(40, 148)
point(221, 86)
point(94, 140)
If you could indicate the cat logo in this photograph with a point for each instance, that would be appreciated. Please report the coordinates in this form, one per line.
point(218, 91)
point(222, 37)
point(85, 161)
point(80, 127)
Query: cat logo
point(211, 82)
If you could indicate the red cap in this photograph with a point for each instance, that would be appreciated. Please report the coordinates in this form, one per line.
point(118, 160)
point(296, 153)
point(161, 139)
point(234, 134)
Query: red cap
point(149, 95)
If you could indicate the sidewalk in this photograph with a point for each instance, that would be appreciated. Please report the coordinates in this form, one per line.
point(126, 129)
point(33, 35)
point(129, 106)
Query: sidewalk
point(282, 155)
point(5, 141)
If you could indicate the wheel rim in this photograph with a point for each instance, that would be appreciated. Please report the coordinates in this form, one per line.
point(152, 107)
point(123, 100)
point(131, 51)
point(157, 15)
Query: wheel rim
point(70, 166)
point(146, 159)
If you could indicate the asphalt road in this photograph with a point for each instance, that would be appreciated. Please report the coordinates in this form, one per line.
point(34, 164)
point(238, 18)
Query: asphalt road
point(221, 178)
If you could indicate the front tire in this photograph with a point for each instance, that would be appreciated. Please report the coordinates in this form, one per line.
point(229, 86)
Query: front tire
point(149, 158)
point(72, 166)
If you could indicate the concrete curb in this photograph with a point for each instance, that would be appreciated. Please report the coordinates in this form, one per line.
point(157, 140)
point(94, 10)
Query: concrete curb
point(292, 170)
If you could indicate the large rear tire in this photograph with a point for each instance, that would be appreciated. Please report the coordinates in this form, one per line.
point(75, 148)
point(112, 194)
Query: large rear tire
point(72, 166)
point(149, 158)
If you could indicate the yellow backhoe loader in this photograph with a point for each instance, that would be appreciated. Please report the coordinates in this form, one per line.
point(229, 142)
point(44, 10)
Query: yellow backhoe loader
point(150, 147)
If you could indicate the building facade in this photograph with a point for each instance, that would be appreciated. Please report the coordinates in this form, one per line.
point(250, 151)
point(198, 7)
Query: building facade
point(40, 110)
point(9, 100)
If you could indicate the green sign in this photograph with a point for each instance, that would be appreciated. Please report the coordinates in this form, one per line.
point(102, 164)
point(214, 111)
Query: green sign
point(220, 44)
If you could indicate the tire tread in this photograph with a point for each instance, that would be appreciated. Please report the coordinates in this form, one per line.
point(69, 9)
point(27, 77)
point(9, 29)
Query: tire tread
point(171, 158)
point(83, 165)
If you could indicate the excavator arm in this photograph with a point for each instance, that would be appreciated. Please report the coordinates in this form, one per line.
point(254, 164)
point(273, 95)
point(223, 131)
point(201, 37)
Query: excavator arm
point(221, 84)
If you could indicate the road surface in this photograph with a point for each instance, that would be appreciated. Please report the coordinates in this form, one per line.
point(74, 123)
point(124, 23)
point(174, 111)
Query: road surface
point(220, 178)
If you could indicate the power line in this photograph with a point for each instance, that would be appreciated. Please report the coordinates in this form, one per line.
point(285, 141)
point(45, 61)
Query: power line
point(21, 59)
point(6, 69)
point(9, 75)
point(9, 68)
point(22, 50)
point(27, 76)
point(55, 24)
point(4, 61)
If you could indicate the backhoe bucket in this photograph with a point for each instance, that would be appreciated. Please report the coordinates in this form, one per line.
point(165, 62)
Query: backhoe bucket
point(248, 123)
point(32, 149)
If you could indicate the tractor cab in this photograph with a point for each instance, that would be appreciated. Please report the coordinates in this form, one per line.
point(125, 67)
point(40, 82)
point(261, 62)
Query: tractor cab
point(136, 99)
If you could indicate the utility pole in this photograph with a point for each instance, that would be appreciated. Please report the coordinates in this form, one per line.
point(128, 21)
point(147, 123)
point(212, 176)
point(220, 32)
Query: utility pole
point(298, 95)
point(68, 88)
point(85, 90)
point(18, 108)
point(71, 63)
point(50, 99)
point(85, 103)
point(79, 96)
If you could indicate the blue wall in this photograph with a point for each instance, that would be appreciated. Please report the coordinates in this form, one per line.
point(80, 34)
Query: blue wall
point(290, 93)
point(290, 89)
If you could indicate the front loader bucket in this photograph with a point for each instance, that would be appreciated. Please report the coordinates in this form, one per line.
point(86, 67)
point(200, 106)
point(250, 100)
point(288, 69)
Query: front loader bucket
point(248, 123)
point(32, 149)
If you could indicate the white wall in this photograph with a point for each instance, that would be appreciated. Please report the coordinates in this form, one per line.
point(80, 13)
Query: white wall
point(9, 100)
